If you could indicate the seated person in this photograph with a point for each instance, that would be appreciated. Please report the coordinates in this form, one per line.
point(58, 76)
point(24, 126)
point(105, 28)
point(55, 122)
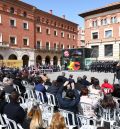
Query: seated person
point(107, 87)
point(85, 82)
point(70, 101)
point(106, 103)
point(57, 122)
point(13, 110)
point(40, 87)
point(85, 99)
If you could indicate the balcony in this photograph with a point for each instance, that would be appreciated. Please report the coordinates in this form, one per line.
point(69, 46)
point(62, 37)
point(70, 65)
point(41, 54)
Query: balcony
point(45, 49)
point(4, 44)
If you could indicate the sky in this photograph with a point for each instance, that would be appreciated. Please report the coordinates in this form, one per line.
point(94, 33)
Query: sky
point(69, 8)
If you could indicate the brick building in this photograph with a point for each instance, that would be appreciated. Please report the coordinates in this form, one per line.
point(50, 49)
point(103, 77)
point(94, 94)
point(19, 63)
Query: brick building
point(81, 38)
point(32, 35)
point(102, 31)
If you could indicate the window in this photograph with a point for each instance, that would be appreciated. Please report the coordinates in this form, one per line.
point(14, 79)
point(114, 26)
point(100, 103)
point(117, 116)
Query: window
point(38, 44)
point(0, 19)
point(0, 37)
point(68, 36)
point(73, 37)
point(73, 46)
point(38, 20)
point(55, 46)
point(25, 41)
point(47, 31)
point(38, 29)
point(108, 50)
point(13, 40)
point(25, 25)
point(95, 35)
point(108, 33)
point(62, 46)
point(113, 19)
point(55, 32)
point(95, 51)
point(104, 22)
point(24, 14)
point(94, 23)
point(62, 34)
point(47, 45)
point(12, 10)
point(68, 46)
point(12, 22)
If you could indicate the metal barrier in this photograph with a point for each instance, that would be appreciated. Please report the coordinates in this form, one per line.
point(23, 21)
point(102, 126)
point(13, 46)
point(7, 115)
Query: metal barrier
point(46, 70)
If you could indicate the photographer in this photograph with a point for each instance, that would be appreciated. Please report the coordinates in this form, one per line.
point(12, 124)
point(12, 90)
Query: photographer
point(72, 97)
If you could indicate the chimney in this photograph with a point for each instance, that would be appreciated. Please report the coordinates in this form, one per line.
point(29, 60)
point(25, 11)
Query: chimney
point(50, 12)
point(63, 16)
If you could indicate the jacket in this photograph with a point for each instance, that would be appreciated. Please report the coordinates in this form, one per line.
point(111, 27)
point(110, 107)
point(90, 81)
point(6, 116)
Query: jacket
point(15, 112)
point(67, 103)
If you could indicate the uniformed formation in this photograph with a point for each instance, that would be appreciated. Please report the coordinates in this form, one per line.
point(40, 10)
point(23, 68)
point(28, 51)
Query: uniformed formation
point(103, 66)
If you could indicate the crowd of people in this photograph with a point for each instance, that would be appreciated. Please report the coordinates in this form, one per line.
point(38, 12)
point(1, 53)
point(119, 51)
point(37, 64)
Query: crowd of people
point(69, 96)
point(103, 66)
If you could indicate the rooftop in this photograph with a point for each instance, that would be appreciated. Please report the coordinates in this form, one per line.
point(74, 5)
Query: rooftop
point(109, 7)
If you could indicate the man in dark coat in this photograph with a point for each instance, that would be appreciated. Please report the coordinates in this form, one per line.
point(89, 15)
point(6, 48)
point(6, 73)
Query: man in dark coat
point(62, 78)
point(70, 101)
point(13, 110)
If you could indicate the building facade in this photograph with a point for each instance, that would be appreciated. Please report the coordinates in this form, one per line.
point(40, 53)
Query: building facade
point(102, 31)
point(81, 38)
point(32, 35)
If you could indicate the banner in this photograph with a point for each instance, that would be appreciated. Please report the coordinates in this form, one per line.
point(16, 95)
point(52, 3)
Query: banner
point(11, 63)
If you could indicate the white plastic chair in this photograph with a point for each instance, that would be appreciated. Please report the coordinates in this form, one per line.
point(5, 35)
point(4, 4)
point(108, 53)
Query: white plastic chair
point(86, 108)
point(114, 127)
point(47, 113)
point(66, 115)
point(13, 125)
point(86, 121)
point(17, 88)
point(29, 94)
point(7, 97)
point(51, 99)
point(3, 121)
point(40, 97)
point(108, 115)
point(24, 83)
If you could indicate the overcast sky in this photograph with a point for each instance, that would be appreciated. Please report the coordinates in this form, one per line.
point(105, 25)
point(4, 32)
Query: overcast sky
point(69, 8)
